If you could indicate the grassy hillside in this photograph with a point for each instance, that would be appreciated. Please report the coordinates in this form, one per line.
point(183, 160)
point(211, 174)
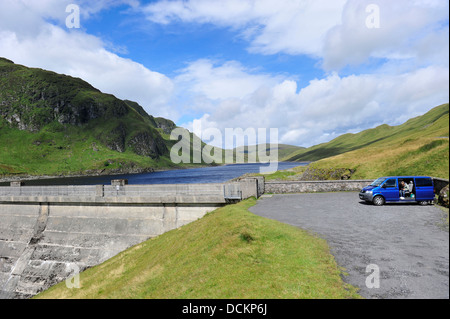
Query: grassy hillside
point(230, 253)
point(284, 150)
point(58, 149)
point(418, 147)
point(53, 124)
point(349, 142)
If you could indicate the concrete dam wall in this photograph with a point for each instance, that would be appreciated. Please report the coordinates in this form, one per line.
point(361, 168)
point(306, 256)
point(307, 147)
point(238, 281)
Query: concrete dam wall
point(47, 232)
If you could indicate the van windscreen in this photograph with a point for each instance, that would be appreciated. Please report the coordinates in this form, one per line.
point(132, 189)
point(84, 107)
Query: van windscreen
point(378, 181)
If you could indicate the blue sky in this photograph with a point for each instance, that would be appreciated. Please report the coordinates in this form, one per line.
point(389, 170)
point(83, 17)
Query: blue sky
point(167, 48)
point(311, 69)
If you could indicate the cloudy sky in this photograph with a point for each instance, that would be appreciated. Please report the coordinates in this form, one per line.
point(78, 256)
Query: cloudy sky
point(313, 69)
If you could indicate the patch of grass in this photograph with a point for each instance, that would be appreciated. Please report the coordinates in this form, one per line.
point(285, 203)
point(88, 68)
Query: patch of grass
point(284, 175)
point(429, 146)
point(229, 253)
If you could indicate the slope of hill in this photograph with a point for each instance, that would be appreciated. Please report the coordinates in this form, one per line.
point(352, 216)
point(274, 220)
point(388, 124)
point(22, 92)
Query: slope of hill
point(53, 124)
point(418, 146)
point(284, 150)
point(349, 142)
point(229, 253)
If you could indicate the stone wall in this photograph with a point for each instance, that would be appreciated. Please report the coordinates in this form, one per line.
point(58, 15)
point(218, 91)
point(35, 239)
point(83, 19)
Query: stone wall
point(284, 187)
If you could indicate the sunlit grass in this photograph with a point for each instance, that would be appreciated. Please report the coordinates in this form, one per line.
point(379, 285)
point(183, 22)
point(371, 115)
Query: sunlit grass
point(230, 253)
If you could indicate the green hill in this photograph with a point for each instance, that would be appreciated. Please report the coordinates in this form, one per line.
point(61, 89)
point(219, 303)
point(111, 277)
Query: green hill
point(53, 124)
point(419, 146)
point(284, 150)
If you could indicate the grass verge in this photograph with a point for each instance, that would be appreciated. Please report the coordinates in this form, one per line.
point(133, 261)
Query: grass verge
point(230, 253)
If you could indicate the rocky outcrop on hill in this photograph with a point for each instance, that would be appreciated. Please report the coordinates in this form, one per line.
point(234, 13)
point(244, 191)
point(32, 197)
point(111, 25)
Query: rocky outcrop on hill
point(167, 126)
point(144, 144)
point(33, 98)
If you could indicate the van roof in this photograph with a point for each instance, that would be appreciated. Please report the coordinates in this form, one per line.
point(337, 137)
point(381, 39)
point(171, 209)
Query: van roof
point(407, 176)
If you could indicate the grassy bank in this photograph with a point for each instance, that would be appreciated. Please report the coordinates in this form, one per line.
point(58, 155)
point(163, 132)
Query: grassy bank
point(419, 146)
point(230, 253)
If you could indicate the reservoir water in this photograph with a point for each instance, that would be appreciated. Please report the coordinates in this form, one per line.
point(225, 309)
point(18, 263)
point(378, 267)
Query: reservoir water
point(216, 174)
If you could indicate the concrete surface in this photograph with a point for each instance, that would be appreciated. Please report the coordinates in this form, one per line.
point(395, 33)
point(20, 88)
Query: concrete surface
point(408, 243)
point(40, 243)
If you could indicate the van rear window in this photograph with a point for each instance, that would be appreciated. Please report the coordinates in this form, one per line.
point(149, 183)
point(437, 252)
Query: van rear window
point(424, 182)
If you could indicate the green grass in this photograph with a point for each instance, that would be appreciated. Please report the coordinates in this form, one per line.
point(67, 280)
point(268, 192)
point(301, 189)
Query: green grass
point(70, 151)
point(229, 253)
point(284, 175)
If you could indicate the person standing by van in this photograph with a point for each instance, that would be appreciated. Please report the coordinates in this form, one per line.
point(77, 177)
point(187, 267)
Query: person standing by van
point(404, 188)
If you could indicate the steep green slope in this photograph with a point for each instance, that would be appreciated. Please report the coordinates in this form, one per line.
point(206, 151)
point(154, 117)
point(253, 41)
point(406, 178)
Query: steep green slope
point(350, 142)
point(283, 150)
point(53, 124)
point(229, 253)
point(420, 146)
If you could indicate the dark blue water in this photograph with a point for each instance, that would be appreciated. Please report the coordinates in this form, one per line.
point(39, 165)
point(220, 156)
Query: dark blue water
point(217, 174)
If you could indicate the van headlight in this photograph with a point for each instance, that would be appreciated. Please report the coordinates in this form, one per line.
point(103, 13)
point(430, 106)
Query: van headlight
point(369, 192)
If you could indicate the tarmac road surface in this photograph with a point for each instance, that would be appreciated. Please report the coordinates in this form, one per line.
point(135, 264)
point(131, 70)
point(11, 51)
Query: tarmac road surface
point(395, 251)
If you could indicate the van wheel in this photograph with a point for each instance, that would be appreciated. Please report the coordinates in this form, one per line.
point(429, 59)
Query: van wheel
point(378, 201)
point(423, 203)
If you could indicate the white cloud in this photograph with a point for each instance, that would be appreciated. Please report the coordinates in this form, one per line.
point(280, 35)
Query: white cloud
point(215, 82)
point(411, 42)
point(328, 107)
point(292, 26)
point(26, 38)
point(334, 31)
point(407, 30)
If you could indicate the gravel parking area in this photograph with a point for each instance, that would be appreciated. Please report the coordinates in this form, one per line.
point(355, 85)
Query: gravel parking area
point(402, 247)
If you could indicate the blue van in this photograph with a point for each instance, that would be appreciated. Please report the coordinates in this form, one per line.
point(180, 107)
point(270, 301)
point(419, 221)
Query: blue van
point(420, 189)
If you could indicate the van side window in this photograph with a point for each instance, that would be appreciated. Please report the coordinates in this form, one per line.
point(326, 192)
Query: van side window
point(421, 182)
point(391, 183)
